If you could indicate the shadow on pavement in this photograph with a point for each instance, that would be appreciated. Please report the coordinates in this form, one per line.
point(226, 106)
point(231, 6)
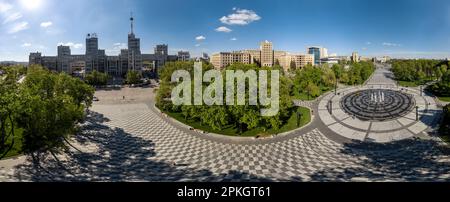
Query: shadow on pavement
point(115, 156)
point(407, 160)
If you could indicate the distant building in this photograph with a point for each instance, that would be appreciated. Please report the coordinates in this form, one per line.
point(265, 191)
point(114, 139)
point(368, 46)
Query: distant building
point(96, 59)
point(355, 57)
point(224, 59)
point(184, 56)
point(267, 54)
point(330, 60)
point(265, 57)
point(383, 59)
point(300, 60)
point(318, 52)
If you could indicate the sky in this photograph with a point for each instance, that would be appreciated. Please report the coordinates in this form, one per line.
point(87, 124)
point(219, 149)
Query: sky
point(397, 28)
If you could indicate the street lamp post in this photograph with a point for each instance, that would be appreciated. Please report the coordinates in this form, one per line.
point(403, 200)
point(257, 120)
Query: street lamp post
point(417, 113)
point(330, 106)
point(421, 91)
point(299, 116)
point(335, 87)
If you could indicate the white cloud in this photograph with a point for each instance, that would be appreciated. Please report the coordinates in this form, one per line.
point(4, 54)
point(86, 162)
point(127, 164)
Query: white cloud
point(116, 48)
point(18, 27)
point(26, 45)
point(46, 24)
point(391, 44)
point(200, 38)
point(13, 17)
point(120, 45)
point(240, 17)
point(71, 44)
point(223, 29)
point(4, 7)
point(233, 39)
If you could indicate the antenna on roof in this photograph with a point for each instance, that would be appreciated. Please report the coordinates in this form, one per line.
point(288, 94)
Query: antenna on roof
point(132, 22)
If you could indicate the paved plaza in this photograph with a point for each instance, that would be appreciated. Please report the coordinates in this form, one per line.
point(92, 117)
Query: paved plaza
point(354, 113)
point(129, 140)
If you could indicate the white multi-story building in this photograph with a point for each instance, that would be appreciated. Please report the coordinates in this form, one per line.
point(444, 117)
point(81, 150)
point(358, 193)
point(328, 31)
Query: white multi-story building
point(267, 54)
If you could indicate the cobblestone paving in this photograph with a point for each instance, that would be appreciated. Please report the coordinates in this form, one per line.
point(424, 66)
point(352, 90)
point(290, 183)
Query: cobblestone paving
point(132, 143)
point(126, 140)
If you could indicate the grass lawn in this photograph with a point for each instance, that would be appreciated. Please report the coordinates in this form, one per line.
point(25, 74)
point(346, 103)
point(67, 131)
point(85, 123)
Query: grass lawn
point(446, 139)
point(444, 99)
point(16, 148)
point(230, 130)
point(407, 84)
point(304, 96)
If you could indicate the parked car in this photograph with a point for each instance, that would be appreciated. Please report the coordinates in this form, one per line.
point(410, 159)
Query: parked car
point(95, 99)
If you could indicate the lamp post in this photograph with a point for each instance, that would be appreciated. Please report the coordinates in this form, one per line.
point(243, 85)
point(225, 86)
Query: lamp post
point(417, 113)
point(299, 116)
point(330, 106)
point(335, 87)
point(421, 91)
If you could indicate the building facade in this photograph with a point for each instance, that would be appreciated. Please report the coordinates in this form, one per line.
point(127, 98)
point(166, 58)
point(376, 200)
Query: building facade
point(224, 59)
point(318, 52)
point(184, 56)
point(267, 54)
point(355, 57)
point(96, 59)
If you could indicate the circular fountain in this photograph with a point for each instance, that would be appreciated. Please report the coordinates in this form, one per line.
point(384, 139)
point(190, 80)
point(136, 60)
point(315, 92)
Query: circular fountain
point(377, 104)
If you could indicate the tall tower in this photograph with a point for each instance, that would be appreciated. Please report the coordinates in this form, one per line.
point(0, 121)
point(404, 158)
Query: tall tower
point(134, 49)
point(91, 57)
point(266, 49)
point(132, 23)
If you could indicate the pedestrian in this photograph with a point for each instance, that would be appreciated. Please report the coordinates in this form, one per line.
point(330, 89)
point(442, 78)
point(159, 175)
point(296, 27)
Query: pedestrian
point(124, 97)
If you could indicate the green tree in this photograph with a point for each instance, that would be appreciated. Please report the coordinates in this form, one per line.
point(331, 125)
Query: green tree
point(50, 108)
point(293, 66)
point(133, 77)
point(444, 129)
point(96, 78)
point(9, 99)
point(277, 62)
point(312, 90)
point(338, 71)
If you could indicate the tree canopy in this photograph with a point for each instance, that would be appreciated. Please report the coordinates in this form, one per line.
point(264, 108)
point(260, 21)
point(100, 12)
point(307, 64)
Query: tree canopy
point(48, 110)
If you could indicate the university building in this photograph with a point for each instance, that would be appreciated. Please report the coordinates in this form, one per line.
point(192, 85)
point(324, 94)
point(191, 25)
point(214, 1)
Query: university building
point(265, 56)
point(96, 59)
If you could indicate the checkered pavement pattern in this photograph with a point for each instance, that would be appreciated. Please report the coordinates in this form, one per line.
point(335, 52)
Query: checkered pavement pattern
point(133, 143)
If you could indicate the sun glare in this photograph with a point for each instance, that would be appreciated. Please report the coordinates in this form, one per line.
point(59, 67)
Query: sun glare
point(31, 4)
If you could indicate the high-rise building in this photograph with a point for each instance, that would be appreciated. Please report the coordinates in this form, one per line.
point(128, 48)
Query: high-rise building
point(91, 44)
point(63, 59)
point(184, 56)
point(134, 49)
point(96, 59)
point(162, 49)
point(267, 54)
point(91, 60)
point(265, 57)
point(355, 57)
point(318, 52)
point(323, 53)
point(35, 58)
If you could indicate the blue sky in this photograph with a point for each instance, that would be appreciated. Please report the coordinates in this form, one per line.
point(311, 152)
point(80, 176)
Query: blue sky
point(399, 28)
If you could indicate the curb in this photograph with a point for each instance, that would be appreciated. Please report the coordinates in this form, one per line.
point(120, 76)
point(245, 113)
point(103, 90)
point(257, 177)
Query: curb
point(233, 138)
